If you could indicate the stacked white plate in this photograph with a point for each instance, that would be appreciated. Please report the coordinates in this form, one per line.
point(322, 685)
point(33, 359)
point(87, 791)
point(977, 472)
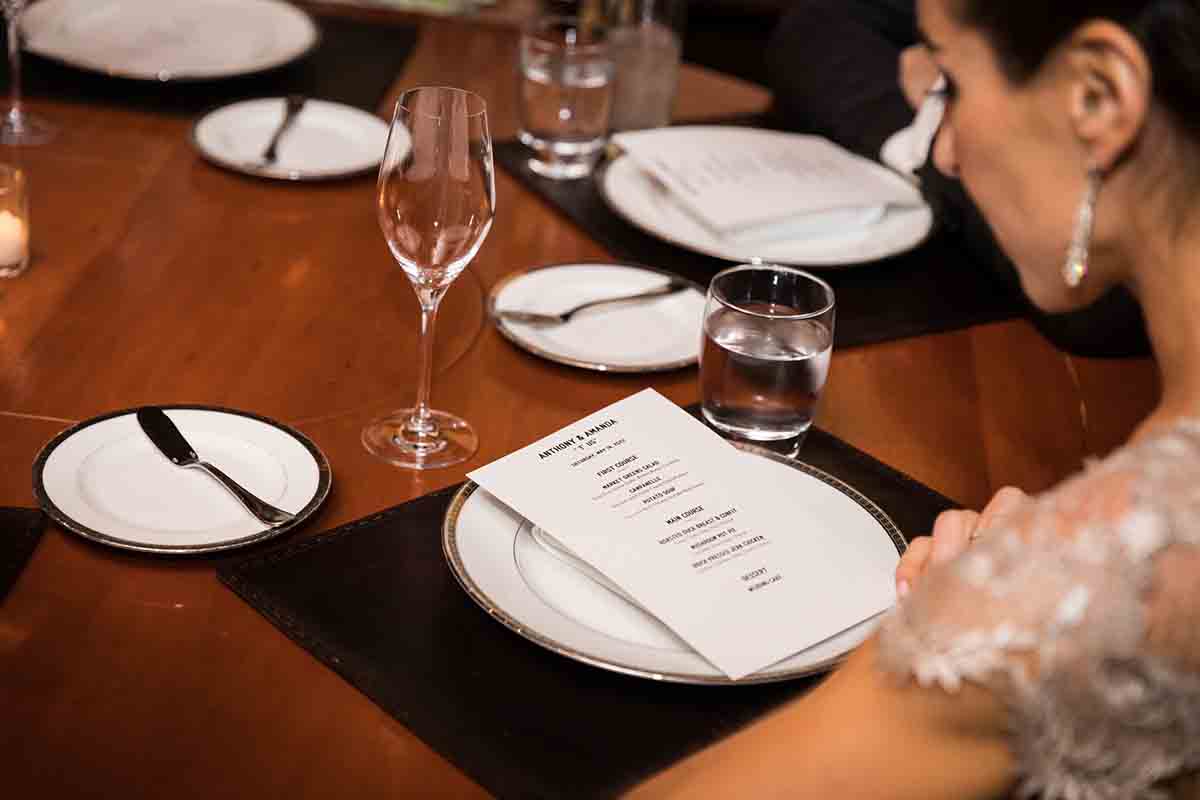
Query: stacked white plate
point(831, 240)
point(547, 599)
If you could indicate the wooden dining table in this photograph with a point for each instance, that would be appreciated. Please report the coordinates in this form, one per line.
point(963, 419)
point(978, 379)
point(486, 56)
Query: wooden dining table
point(157, 278)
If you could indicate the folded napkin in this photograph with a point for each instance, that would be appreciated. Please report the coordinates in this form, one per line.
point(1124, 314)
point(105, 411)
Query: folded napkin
point(20, 531)
point(751, 185)
point(908, 149)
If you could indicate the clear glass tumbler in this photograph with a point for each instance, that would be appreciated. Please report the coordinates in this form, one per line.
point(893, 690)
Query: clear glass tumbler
point(565, 95)
point(14, 221)
point(768, 335)
point(645, 38)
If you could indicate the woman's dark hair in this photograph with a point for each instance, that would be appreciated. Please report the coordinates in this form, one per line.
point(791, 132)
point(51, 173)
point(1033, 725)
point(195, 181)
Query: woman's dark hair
point(1023, 33)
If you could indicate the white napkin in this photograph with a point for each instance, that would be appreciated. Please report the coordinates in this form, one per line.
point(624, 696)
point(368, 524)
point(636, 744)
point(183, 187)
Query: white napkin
point(907, 149)
point(751, 185)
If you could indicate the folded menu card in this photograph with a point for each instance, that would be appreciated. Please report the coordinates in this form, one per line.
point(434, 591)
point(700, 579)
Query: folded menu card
point(747, 184)
point(662, 508)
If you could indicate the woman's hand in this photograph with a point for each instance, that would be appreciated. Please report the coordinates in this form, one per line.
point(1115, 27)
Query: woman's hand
point(918, 71)
point(953, 531)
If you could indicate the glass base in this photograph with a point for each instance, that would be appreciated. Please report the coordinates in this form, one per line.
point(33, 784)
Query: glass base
point(450, 440)
point(561, 159)
point(23, 128)
point(13, 270)
point(783, 442)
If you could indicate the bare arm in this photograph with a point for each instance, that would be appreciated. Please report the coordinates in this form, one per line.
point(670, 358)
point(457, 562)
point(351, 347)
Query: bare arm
point(861, 733)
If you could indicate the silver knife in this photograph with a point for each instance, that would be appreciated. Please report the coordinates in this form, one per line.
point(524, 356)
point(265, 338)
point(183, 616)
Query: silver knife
point(170, 442)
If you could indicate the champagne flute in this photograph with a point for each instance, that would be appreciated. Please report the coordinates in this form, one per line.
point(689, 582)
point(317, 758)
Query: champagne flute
point(16, 125)
point(436, 200)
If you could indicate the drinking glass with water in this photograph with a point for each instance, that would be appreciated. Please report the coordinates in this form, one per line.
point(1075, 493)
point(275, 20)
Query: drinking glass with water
point(768, 334)
point(566, 75)
point(645, 39)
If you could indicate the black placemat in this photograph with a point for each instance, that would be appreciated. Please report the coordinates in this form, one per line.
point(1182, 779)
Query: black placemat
point(375, 601)
point(20, 531)
point(355, 63)
point(931, 289)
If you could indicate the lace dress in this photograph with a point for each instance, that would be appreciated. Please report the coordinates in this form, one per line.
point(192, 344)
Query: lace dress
point(1082, 609)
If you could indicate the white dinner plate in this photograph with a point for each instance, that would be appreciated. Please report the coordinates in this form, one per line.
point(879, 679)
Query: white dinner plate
point(647, 204)
point(103, 479)
point(325, 140)
point(652, 335)
point(169, 40)
point(526, 587)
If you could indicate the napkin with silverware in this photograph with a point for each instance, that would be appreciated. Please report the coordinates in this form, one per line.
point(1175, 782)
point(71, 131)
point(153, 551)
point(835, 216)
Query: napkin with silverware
point(20, 531)
point(749, 185)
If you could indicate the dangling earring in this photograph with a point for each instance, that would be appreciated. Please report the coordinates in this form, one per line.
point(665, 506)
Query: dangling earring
point(1076, 267)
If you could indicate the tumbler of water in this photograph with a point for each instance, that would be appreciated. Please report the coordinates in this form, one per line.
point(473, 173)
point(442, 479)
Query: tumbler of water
point(645, 40)
point(565, 95)
point(768, 334)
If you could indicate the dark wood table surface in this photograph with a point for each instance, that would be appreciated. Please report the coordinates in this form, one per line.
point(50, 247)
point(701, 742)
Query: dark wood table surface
point(158, 278)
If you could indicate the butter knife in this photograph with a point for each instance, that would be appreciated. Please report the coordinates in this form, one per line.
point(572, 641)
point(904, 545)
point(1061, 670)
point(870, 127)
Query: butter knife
point(170, 442)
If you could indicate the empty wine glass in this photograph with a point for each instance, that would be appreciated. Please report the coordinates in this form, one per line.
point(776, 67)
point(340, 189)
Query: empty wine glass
point(436, 201)
point(18, 126)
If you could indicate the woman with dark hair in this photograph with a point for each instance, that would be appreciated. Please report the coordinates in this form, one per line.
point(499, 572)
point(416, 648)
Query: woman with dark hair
point(854, 72)
point(1052, 645)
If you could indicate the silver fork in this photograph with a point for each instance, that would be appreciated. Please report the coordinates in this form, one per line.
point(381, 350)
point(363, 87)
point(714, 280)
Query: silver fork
point(538, 318)
point(294, 103)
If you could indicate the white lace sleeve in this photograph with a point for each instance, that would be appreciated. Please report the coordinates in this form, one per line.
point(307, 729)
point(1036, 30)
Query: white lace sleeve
point(1084, 613)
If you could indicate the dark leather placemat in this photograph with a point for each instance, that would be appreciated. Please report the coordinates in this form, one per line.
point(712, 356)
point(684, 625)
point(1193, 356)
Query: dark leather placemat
point(376, 603)
point(354, 63)
point(931, 289)
point(20, 531)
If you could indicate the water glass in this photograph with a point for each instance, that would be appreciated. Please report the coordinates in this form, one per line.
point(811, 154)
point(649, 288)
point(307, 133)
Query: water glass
point(565, 95)
point(768, 334)
point(645, 40)
point(14, 222)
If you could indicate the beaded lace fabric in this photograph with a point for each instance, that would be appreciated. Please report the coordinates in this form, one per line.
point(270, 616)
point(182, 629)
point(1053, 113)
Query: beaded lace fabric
point(1082, 609)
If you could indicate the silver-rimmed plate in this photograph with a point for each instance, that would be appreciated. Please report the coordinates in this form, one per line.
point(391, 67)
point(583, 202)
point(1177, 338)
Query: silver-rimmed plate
point(326, 140)
point(526, 587)
point(169, 40)
point(653, 335)
point(104, 480)
point(646, 204)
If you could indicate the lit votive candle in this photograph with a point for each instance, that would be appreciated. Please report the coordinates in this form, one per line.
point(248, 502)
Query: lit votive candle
point(14, 243)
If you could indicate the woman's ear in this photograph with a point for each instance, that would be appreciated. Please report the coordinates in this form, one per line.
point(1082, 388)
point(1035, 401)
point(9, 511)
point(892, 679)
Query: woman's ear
point(1110, 89)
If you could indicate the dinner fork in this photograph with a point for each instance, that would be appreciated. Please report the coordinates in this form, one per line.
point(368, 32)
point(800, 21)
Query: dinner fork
point(672, 286)
point(294, 103)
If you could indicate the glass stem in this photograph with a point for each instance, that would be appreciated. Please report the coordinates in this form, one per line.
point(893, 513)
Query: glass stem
point(420, 423)
point(14, 61)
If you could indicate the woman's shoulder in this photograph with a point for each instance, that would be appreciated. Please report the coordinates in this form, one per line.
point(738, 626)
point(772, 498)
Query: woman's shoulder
point(1146, 493)
point(1080, 608)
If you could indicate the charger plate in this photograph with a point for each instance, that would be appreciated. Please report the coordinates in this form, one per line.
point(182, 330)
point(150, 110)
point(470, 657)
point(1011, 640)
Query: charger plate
point(104, 480)
point(652, 335)
point(537, 594)
point(169, 40)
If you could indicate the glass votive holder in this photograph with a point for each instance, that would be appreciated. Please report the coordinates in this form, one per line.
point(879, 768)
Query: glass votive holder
point(14, 221)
